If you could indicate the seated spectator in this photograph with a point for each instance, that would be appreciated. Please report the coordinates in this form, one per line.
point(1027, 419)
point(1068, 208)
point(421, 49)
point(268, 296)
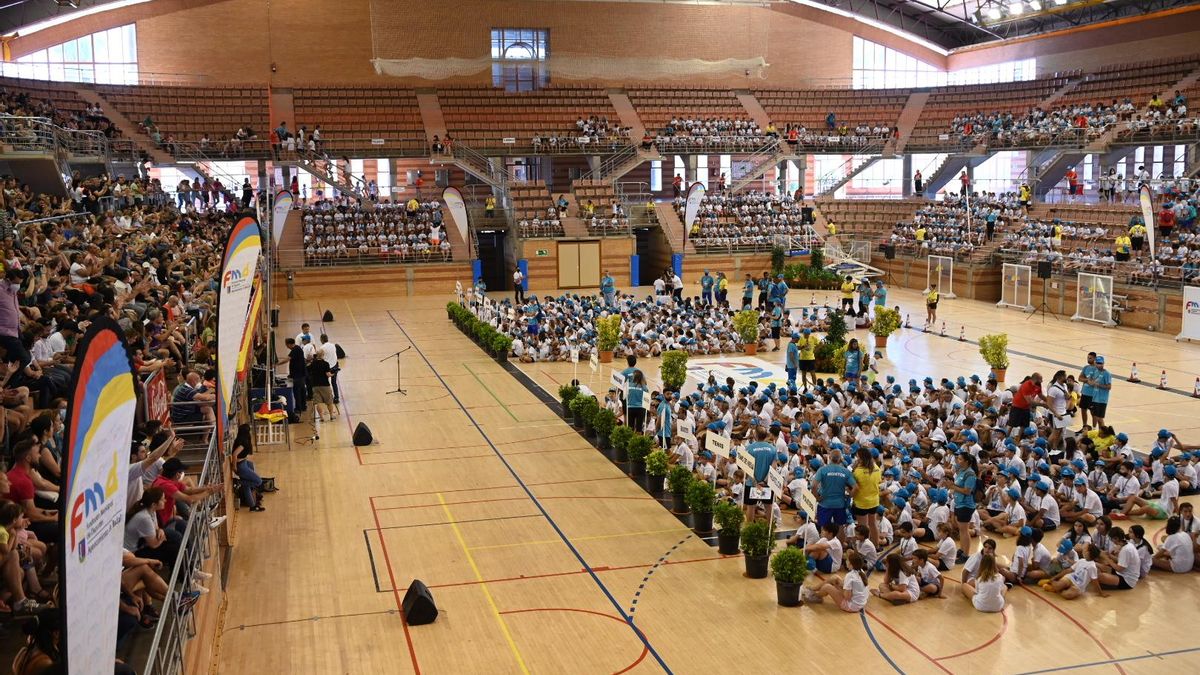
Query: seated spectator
point(191, 402)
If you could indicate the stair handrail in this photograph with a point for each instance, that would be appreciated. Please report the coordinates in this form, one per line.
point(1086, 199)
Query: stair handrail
point(836, 177)
point(611, 163)
point(462, 153)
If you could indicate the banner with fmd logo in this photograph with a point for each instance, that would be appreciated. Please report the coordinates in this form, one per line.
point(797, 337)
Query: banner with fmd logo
point(237, 282)
point(100, 416)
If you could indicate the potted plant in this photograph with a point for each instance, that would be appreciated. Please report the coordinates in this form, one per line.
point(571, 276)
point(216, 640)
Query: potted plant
point(638, 448)
point(757, 542)
point(588, 413)
point(608, 335)
point(678, 480)
point(500, 345)
point(777, 258)
point(745, 323)
point(577, 405)
point(789, 567)
point(836, 333)
point(656, 471)
point(603, 422)
point(729, 517)
point(994, 350)
point(566, 392)
point(674, 369)
point(618, 443)
point(702, 497)
point(887, 321)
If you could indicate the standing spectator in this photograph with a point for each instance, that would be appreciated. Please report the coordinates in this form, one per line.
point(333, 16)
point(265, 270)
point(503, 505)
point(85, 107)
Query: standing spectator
point(518, 286)
point(298, 372)
point(328, 351)
point(918, 183)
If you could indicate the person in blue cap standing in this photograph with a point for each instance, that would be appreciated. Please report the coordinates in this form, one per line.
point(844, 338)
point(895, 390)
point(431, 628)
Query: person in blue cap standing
point(747, 292)
point(792, 362)
point(706, 288)
point(608, 287)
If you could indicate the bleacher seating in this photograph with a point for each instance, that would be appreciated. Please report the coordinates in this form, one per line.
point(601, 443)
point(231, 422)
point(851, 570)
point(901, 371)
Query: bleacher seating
point(947, 103)
point(482, 117)
point(530, 211)
point(350, 117)
point(809, 107)
point(600, 218)
point(868, 219)
point(657, 107)
point(188, 113)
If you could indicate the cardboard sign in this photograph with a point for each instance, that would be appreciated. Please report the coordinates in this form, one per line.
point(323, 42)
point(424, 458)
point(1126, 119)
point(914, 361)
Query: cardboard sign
point(594, 362)
point(574, 354)
point(718, 444)
point(807, 502)
point(775, 480)
point(618, 381)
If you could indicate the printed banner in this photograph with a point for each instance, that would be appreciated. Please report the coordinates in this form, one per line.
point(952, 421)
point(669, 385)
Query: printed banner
point(99, 429)
point(251, 321)
point(1191, 314)
point(1148, 216)
point(158, 398)
point(458, 210)
point(279, 214)
point(237, 283)
point(743, 370)
point(692, 208)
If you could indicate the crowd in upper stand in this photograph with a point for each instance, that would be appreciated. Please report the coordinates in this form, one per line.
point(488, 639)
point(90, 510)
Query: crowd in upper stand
point(746, 218)
point(343, 231)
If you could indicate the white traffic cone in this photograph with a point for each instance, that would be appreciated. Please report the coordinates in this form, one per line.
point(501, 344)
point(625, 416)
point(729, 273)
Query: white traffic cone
point(962, 334)
point(943, 333)
point(1133, 373)
point(1162, 380)
point(908, 320)
point(813, 300)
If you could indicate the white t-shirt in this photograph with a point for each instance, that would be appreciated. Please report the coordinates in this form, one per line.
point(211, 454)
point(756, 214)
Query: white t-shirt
point(328, 352)
point(1179, 545)
point(912, 584)
point(77, 274)
point(1131, 564)
point(835, 551)
point(143, 525)
point(947, 549)
point(1170, 496)
point(856, 590)
point(808, 534)
point(989, 594)
point(1050, 509)
point(1083, 572)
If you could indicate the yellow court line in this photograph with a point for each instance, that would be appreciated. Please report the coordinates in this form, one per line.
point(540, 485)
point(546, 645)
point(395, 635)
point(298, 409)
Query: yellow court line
point(354, 321)
point(575, 539)
point(479, 577)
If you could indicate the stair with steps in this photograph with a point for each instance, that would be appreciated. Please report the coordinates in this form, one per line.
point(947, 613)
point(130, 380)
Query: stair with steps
point(627, 113)
point(672, 227)
point(290, 250)
point(763, 160)
point(459, 248)
point(907, 121)
point(754, 109)
point(1057, 94)
point(431, 114)
point(128, 129)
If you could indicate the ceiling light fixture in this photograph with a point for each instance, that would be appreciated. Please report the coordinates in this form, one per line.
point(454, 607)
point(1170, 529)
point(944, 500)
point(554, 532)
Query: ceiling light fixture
point(1016, 9)
point(994, 13)
point(1035, 5)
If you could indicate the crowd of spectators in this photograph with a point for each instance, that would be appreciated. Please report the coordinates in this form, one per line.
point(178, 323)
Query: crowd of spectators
point(18, 104)
point(1083, 121)
point(343, 231)
point(943, 228)
point(590, 132)
point(140, 262)
point(749, 218)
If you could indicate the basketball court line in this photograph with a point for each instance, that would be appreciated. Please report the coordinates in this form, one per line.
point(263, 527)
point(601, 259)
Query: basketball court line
point(878, 647)
point(387, 562)
point(1092, 664)
point(487, 594)
point(549, 519)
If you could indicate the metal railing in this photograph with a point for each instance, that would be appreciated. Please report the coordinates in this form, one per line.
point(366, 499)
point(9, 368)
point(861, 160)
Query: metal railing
point(372, 257)
point(837, 177)
point(480, 166)
point(1130, 273)
point(611, 164)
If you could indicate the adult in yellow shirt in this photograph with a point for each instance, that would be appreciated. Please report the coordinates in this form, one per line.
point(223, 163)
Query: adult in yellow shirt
point(808, 358)
point(1123, 246)
point(920, 233)
point(867, 475)
point(848, 287)
point(931, 302)
point(1058, 236)
point(489, 207)
point(1137, 236)
point(831, 228)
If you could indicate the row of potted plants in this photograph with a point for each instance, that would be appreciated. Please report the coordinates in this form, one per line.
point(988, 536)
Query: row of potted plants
point(491, 340)
point(652, 468)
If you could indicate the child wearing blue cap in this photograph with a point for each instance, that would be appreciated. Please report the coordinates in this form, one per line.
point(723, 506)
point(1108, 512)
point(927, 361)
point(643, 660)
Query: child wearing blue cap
point(1074, 581)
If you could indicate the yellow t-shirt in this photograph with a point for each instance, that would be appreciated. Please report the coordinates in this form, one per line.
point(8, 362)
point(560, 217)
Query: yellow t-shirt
point(867, 496)
point(808, 345)
point(920, 234)
point(832, 229)
point(931, 297)
point(1101, 444)
point(848, 289)
point(1123, 244)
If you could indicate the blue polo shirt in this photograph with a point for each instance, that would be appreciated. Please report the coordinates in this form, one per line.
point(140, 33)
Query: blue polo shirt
point(833, 480)
point(965, 479)
point(763, 454)
point(1102, 377)
point(793, 356)
point(1089, 372)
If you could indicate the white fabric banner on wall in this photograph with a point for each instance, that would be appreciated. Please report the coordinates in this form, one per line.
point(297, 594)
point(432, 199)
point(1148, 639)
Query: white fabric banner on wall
point(1191, 314)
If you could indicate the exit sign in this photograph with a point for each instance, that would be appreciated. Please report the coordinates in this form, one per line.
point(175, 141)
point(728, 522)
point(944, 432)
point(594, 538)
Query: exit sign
point(542, 253)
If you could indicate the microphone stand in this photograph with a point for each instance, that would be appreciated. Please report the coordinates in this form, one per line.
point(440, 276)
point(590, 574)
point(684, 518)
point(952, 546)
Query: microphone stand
point(397, 390)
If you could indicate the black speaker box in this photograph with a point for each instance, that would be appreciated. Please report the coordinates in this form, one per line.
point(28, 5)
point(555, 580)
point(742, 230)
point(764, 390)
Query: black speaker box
point(1043, 269)
point(889, 251)
point(362, 435)
point(418, 606)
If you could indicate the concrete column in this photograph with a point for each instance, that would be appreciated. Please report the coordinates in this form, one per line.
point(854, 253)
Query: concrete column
point(906, 173)
point(692, 164)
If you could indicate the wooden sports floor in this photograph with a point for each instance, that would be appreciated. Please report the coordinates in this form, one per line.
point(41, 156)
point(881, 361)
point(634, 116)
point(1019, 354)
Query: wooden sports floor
point(543, 557)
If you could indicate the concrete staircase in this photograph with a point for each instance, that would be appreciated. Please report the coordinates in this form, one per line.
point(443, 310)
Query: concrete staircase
point(627, 113)
point(622, 162)
point(754, 109)
point(128, 129)
point(290, 250)
point(763, 160)
point(834, 180)
point(319, 168)
point(1057, 94)
point(950, 169)
point(431, 114)
point(909, 115)
point(672, 227)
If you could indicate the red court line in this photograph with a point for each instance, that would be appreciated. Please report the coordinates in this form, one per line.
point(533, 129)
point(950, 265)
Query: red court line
point(490, 454)
point(506, 499)
point(548, 575)
point(997, 636)
point(906, 641)
point(552, 378)
point(1073, 620)
point(501, 487)
point(387, 561)
point(640, 658)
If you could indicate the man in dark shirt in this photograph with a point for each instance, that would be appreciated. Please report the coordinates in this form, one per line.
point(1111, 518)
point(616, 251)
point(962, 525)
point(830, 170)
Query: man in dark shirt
point(298, 371)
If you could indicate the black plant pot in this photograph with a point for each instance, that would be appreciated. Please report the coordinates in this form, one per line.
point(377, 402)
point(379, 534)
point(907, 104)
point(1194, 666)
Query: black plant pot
point(576, 420)
point(637, 468)
point(623, 455)
point(702, 522)
point(589, 430)
point(679, 503)
point(727, 541)
point(603, 444)
point(566, 406)
point(756, 566)
point(788, 595)
point(502, 356)
point(654, 485)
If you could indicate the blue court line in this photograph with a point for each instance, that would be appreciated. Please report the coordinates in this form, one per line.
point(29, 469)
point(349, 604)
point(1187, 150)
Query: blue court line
point(878, 647)
point(1147, 655)
point(574, 551)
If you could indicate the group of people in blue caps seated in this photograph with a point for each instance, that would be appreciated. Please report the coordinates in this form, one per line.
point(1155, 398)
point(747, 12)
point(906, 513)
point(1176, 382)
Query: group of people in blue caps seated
point(547, 329)
point(927, 470)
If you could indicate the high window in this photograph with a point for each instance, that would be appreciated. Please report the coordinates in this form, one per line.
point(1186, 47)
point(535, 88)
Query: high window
point(878, 67)
point(107, 57)
point(519, 58)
